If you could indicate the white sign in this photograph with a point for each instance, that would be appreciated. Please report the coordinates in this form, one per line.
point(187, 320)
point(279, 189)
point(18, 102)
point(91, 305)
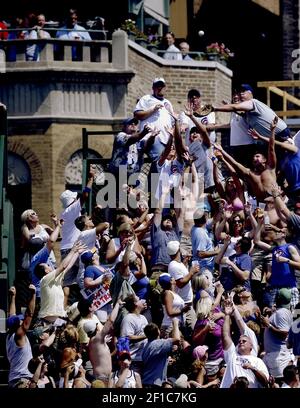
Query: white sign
point(100, 294)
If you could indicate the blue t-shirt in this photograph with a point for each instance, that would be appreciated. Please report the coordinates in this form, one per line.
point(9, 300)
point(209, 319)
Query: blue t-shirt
point(228, 278)
point(290, 166)
point(155, 358)
point(159, 242)
point(202, 242)
point(283, 275)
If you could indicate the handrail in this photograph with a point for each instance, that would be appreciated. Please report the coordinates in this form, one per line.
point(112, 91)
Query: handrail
point(273, 86)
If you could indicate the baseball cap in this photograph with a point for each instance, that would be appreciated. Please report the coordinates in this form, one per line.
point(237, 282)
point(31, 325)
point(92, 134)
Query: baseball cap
point(173, 247)
point(193, 92)
point(246, 87)
point(14, 321)
point(87, 256)
point(157, 81)
point(181, 382)
point(124, 355)
point(284, 297)
point(89, 327)
point(130, 121)
point(67, 198)
point(199, 352)
point(164, 280)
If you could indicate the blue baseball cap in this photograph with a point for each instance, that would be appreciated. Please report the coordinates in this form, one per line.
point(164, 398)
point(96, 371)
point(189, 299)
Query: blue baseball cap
point(14, 320)
point(164, 280)
point(130, 121)
point(87, 256)
point(246, 87)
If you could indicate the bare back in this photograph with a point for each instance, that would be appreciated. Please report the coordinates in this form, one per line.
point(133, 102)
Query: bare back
point(99, 354)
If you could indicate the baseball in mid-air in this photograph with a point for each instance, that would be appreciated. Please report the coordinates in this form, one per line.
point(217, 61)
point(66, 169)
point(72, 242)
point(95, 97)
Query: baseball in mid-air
point(201, 33)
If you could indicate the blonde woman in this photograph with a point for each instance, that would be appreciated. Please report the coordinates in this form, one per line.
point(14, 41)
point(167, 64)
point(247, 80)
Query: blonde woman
point(34, 236)
point(208, 330)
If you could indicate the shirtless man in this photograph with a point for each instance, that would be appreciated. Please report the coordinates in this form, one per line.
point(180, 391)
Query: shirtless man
point(263, 175)
point(99, 352)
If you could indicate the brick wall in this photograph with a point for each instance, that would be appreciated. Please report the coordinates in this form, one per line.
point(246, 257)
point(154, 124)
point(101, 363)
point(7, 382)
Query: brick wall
point(213, 83)
point(290, 35)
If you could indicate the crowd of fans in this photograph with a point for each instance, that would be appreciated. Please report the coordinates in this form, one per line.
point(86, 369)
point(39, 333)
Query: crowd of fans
point(192, 281)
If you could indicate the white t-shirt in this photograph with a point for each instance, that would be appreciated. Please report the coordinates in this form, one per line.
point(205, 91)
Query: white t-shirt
point(159, 119)
point(52, 295)
point(234, 368)
point(133, 325)
point(87, 238)
point(169, 177)
point(178, 270)
point(69, 231)
point(173, 53)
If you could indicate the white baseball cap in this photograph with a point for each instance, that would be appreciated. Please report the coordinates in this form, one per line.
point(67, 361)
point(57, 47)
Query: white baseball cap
point(173, 247)
point(67, 198)
point(158, 80)
point(89, 327)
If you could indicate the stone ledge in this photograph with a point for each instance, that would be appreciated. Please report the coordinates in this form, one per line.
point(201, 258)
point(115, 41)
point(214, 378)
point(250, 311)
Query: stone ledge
point(205, 65)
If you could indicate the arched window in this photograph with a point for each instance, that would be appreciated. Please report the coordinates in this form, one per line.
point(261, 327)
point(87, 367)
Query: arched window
point(73, 170)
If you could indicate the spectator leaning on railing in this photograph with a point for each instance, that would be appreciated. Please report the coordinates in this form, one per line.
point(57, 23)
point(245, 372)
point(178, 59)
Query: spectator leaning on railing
point(172, 52)
point(73, 31)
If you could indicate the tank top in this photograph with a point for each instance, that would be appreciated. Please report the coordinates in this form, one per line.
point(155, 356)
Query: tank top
point(130, 381)
point(283, 275)
point(18, 358)
point(178, 303)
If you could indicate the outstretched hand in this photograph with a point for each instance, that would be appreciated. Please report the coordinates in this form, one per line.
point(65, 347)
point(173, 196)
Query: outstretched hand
point(274, 123)
point(228, 307)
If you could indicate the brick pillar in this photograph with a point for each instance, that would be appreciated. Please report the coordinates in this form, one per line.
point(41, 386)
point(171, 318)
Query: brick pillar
point(290, 35)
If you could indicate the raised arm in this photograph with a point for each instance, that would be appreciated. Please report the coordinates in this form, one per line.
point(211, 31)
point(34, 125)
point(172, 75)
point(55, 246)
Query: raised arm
point(145, 114)
point(12, 301)
point(70, 259)
point(245, 106)
point(257, 236)
point(53, 237)
point(217, 181)
point(287, 146)
point(138, 136)
point(282, 210)
point(238, 166)
point(165, 153)
point(22, 330)
point(89, 185)
point(219, 257)
point(179, 146)
point(226, 337)
point(203, 130)
point(272, 160)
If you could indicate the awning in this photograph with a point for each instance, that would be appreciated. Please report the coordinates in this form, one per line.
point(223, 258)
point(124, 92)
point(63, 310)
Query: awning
point(156, 9)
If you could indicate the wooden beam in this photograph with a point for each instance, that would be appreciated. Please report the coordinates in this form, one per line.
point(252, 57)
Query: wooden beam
point(265, 84)
point(285, 95)
point(288, 113)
